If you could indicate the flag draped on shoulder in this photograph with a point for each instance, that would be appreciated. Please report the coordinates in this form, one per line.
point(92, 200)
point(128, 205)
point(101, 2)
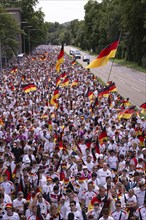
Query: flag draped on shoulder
point(104, 56)
point(60, 58)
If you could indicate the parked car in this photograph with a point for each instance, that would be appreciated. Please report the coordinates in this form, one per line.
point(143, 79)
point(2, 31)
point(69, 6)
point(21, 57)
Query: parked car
point(86, 59)
point(71, 51)
point(77, 54)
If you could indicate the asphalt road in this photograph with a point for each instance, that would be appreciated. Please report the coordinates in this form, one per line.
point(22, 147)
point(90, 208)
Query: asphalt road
point(130, 83)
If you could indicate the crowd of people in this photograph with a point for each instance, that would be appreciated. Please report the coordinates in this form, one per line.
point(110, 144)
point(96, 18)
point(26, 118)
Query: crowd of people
point(64, 152)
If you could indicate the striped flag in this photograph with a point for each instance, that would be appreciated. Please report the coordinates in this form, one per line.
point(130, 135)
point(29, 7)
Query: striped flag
point(14, 69)
point(102, 136)
point(112, 87)
point(55, 96)
point(29, 88)
point(60, 59)
point(143, 106)
point(126, 113)
point(65, 82)
point(75, 83)
point(90, 95)
point(58, 81)
point(73, 62)
point(63, 75)
point(104, 56)
point(103, 93)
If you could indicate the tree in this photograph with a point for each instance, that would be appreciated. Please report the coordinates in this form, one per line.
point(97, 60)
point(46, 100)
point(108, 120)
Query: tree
point(9, 30)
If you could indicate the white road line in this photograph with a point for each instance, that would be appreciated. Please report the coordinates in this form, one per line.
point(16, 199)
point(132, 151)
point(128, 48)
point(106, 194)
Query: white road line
point(121, 81)
point(142, 81)
point(135, 89)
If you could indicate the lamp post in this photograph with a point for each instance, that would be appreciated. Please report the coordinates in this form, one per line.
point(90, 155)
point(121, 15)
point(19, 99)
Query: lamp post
point(29, 37)
point(24, 37)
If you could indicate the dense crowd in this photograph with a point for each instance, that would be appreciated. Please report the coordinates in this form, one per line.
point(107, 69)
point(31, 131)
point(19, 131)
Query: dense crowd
point(53, 165)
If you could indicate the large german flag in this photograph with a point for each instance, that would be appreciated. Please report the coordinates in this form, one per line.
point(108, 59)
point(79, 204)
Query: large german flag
point(104, 56)
point(29, 88)
point(60, 58)
point(103, 93)
point(127, 113)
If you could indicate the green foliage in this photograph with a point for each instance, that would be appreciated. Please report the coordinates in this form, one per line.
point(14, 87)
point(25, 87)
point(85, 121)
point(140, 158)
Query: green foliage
point(9, 31)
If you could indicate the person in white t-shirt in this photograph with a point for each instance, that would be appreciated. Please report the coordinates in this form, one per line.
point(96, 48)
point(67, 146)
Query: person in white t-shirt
point(103, 173)
point(18, 203)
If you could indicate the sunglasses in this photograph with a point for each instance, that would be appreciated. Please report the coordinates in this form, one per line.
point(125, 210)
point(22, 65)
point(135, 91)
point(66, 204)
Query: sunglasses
point(71, 205)
point(118, 206)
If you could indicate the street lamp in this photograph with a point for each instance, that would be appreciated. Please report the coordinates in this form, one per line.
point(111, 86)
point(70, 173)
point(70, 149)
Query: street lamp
point(29, 37)
point(24, 37)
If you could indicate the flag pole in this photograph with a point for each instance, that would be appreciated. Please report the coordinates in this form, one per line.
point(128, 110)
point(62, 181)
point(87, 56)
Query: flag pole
point(113, 61)
point(110, 71)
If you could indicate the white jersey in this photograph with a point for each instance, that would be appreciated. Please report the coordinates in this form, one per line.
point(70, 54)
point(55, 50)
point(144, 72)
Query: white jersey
point(19, 204)
point(15, 216)
point(8, 187)
point(141, 213)
point(77, 215)
point(87, 196)
point(103, 174)
point(122, 215)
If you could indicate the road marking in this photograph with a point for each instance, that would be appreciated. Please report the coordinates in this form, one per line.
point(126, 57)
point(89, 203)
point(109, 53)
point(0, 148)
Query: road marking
point(121, 81)
point(135, 89)
point(142, 81)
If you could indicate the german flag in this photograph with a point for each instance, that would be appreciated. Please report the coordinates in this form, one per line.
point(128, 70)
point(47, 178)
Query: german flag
point(44, 116)
point(104, 56)
point(90, 95)
point(55, 103)
point(63, 75)
point(56, 94)
point(14, 70)
point(58, 81)
point(75, 83)
point(29, 88)
point(50, 125)
point(60, 58)
point(103, 93)
point(112, 87)
point(143, 106)
point(54, 97)
point(102, 136)
point(109, 83)
point(127, 113)
point(126, 103)
point(73, 62)
point(65, 82)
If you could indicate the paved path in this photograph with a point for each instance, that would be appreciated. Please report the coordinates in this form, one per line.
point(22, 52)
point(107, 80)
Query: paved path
point(130, 83)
